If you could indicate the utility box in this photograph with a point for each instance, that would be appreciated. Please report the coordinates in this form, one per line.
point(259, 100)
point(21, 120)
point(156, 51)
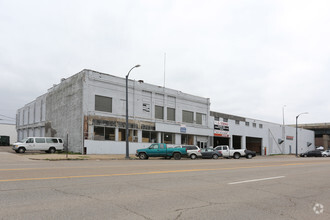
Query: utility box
point(4, 140)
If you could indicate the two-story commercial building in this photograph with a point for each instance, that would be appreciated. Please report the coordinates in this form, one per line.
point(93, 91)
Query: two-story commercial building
point(88, 111)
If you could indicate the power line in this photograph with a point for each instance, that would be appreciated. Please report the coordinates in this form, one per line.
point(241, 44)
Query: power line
point(8, 117)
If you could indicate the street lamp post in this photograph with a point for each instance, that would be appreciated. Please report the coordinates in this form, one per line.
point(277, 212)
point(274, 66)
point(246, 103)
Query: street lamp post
point(127, 144)
point(297, 131)
point(283, 131)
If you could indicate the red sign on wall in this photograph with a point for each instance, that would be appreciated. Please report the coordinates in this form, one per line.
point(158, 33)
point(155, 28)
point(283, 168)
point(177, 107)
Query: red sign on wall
point(289, 138)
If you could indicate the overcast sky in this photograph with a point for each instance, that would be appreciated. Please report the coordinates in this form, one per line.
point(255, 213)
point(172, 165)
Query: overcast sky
point(250, 57)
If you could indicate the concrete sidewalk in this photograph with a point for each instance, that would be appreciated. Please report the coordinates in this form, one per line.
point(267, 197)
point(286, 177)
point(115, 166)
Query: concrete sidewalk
point(39, 155)
point(77, 156)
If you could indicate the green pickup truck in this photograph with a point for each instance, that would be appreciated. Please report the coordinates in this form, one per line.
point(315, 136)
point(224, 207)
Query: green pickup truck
point(161, 150)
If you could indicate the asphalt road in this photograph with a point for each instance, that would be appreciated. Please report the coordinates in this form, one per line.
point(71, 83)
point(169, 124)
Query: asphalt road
point(260, 188)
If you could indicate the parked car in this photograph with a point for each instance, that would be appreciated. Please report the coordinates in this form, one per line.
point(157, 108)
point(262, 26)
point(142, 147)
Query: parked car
point(48, 144)
point(208, 153)
point(249, 154)
point(312, 153)
point(326, 153)
point(160, 150)
point(193, 151)
point(235, 153)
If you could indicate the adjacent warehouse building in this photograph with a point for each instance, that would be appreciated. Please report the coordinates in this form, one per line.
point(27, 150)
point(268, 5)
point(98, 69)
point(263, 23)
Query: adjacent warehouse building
point(8, 134)
point(88, 111)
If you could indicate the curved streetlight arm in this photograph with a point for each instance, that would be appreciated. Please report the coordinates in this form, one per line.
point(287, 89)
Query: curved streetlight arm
point(136, 66)
point(301, 114)
point(297, 131)
point(127, 144)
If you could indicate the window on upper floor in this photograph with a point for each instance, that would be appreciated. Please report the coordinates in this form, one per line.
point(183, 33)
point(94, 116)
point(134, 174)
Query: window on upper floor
point(247, 123)
point(187, 116)
point(200, 119)
point(171, 114)
point(159, 112)
point(103, 103)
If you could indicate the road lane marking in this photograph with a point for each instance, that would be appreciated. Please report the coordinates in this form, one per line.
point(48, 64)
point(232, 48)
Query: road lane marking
point(154, 172)
point(256, 180)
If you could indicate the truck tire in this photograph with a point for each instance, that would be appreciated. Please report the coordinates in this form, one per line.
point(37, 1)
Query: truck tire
point(215, 156)
point(177, 156)
point(237, 155)
point(193, 156)
point(143, 156)
point(21, 150)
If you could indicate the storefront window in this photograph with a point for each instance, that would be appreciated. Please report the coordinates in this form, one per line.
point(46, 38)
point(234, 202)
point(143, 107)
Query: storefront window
point(149, 136)
point(168, 138)
point(187, 139)
point(122, 135)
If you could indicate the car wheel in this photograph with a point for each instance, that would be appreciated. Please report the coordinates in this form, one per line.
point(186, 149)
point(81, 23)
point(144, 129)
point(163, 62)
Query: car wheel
point(21, 150)
point(143, 156)
point(324, 155)
point(249, 156)
point(16, 151)
point(215, 156)
point(177, 156)
point(52, 150)
point(305, 155)
point(193, 156)
point(237, 156)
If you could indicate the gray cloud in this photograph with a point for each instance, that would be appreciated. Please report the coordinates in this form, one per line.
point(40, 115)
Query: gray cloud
point(249, 57)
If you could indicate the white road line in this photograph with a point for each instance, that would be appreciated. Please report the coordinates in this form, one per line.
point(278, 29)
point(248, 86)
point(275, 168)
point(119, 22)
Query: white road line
point(256, 180)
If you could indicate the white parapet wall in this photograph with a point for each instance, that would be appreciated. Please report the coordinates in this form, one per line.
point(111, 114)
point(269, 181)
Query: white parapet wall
point(113, 147)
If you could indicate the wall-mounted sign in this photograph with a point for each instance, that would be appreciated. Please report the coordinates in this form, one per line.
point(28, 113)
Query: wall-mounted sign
point(221, 129)
point(183, 129)
point(289, 138)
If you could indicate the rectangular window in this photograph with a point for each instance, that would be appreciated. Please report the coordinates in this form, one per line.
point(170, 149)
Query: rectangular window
point(133, 135)
point(247, 123)
point(98, 133)
point(109, 134)
point(103, 103)
point(187, 116)
point(51, 140)
point(237, 122)
point(260, 125)
point(149, 136)
point(216, 118)
point(199, 118)
point(159, 112)
point(171, 114)
point(122, 135)
point(187, 139)
point(168, 138)
point(225, 120)
point(254, 125)
point(40, 140)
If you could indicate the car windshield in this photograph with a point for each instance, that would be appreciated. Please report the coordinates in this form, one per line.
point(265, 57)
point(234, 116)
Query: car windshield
point(24, 140)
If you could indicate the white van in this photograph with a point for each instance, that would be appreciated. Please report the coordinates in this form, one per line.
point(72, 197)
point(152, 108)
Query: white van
point(48, 144)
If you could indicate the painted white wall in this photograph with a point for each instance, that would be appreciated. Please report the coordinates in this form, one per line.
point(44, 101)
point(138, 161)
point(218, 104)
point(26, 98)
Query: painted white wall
point(9, 130)
point(270, 133)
